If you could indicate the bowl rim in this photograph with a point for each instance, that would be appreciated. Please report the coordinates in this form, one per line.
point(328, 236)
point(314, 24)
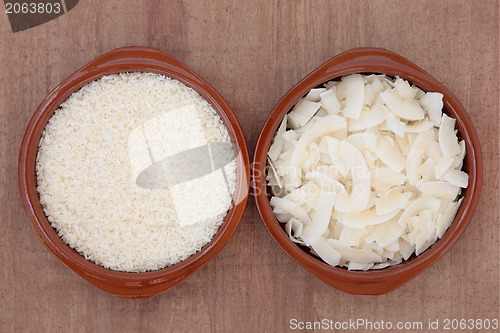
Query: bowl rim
point(369, 60)
point(129, 284)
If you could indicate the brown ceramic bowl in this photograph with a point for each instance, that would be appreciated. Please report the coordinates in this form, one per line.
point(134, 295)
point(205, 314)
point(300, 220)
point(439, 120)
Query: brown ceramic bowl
point(123, 284)
point(375, 282)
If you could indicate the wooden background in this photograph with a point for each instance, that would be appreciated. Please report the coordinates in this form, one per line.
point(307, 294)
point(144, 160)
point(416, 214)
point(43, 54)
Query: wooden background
point(252, 52)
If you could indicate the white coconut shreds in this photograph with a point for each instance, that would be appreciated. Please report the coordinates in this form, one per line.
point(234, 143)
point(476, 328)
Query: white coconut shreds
point(87, 187)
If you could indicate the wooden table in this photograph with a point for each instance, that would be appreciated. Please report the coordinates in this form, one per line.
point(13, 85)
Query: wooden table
point(252, 52)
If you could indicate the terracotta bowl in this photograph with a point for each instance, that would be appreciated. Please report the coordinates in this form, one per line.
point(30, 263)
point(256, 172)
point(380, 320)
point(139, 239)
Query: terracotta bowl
point(381, 61)
point(123, 284)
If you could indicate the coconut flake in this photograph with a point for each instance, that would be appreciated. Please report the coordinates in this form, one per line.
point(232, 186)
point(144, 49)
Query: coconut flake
point(404, 90)
point(333, 145)
point(457, 177)
point(385, 175)
point(367, 192)
point(367, 119)
point(364, 219)
point(427, 169)
point(395, 125)
point(294, 229)
point(371, 90)
point(444, 221)
point(350, 236)
point(458, 160)
point(277, 146)
point(326, 182)
point(330, 102)
point(417, 150)
point(391, 202)
point(325, 251)
point(355, 91)
point(360, 176)
point(443, 165)
point(320, 217)
point(363, 140)
point(408, 109)
point(419, 126)
point(282, 205)
point(274, 174)
point(348, 253)
point(390, 154)
point(439, 189)
point(432, 103)
point(448, 141)
point(327, 124)
point(303, 111)
point(418, 205)
point(314, 94)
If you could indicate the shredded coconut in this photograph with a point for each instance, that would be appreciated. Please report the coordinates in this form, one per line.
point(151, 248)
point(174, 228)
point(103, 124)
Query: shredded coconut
point(86, 173)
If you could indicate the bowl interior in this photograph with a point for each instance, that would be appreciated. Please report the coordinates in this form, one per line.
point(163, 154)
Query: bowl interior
point(123, 284)
point(369, 61)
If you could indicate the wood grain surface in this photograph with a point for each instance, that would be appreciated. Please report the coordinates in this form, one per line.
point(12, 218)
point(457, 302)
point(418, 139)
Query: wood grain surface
point(252, 52)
